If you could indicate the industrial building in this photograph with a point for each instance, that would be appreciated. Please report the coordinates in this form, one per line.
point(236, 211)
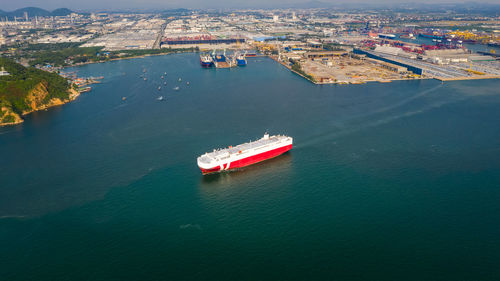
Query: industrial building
point(324, 54)
point(373, 55)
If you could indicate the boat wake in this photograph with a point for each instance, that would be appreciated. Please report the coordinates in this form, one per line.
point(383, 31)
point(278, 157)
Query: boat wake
point(190, 226)
point(12, 217)
point(360, 122)
point(404, 102)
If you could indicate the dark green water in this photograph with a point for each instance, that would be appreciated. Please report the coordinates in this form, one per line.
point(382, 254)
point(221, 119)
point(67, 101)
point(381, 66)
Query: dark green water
point(397, 181)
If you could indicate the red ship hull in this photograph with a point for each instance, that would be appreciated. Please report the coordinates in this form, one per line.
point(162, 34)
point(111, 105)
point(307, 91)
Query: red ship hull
point(249, 160)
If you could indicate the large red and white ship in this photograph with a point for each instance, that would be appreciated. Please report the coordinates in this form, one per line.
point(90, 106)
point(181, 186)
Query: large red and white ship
point(244, 154)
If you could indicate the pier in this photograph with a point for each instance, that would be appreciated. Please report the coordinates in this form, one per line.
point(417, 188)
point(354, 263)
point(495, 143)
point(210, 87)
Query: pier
point(361, 66)
point(223, 60)
point(223, 64)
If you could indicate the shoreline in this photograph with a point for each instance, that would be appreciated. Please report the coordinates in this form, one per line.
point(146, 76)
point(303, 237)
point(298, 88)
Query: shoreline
point(348, 83)
point(73, 95)
point(442, 79)
point(293, 71)
point(125, 58)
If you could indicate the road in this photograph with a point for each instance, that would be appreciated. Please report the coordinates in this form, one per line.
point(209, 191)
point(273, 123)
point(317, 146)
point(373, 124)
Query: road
point(157, 43)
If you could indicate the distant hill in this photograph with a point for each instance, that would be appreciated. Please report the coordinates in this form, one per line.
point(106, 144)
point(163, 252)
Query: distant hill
point(61, 12)
point(34, 11)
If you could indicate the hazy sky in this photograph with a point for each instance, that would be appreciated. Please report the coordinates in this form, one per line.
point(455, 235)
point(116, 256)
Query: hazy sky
point(9, 5)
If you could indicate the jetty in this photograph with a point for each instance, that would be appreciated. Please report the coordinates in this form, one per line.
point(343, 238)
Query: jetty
point(223, 64)
point(222, 60)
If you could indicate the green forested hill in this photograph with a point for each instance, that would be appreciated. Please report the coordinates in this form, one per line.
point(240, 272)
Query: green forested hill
point(15, 88)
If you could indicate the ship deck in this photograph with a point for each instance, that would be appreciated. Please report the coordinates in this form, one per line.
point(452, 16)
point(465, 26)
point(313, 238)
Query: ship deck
point(223, 64)
point(210, 156)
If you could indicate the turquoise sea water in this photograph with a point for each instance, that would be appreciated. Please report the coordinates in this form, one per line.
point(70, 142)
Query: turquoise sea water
point(397, 181)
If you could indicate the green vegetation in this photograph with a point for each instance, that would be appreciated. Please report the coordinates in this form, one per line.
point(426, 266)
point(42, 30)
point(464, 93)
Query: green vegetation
point(333, 47)
point(50, 46)
point(58, 54)
point(298, 68)
point(65, 54)
point(14, 88)
point(133, 53)
point(8, 119)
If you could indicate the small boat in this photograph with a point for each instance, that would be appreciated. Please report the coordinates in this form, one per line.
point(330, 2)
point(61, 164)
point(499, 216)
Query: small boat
point(160, 98)
point(84, 89)
point(124, 98)
point(180, 79)
point(159, 88)
point(145, 78)
point(162, 77)
point(176, 88)
point(165, 73)
point(187, 83)
point(164, 83)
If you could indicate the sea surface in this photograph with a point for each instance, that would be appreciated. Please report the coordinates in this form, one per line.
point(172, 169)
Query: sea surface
point(386, 181)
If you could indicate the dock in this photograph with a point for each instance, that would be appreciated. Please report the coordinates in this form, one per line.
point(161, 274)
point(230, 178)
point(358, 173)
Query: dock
point(223, 64)
point(225, 61)
point(361, 66)
point(476, 77)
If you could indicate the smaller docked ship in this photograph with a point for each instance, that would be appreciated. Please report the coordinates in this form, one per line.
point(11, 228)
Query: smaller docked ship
point(240, 59)
point(244, 154)
point(206, 60)
point(433, 35)
point(387, 36)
